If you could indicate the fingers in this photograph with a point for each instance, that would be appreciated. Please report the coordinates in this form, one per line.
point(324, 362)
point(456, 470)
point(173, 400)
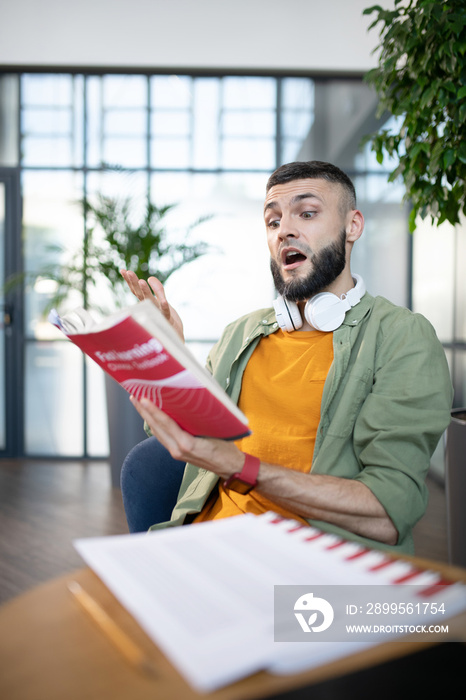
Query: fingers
point(153, 289)
point(132, 281)
point(218, 456)
point(177, 441)
point(159, 291)
point(146, 292)
point(139, 287)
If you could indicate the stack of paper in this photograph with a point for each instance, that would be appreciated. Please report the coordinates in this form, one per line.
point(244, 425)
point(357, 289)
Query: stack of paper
point(205, 593)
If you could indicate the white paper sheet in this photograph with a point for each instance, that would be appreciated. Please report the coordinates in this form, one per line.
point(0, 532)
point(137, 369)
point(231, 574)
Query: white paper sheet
point(205, 593)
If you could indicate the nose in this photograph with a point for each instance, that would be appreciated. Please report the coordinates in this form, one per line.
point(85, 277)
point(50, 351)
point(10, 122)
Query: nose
point(287, 228)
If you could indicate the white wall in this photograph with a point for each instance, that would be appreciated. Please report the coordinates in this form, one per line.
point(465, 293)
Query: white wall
point(289, 35)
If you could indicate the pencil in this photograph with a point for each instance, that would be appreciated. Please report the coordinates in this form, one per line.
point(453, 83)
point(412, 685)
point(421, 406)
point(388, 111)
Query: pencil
point(129, 649)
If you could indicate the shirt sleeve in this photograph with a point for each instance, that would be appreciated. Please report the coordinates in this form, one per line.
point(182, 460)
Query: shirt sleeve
point(403, 418)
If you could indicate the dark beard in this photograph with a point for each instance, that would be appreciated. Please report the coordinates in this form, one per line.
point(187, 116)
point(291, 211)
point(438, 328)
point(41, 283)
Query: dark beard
point(327, 265)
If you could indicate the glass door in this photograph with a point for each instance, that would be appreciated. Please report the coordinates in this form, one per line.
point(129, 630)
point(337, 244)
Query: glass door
point(10, 314)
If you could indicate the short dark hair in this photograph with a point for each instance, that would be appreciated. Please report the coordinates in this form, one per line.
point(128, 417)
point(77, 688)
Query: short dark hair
point(315, 170)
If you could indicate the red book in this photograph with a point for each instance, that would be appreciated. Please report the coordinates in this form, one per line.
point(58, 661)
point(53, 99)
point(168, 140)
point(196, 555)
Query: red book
point(142, 352)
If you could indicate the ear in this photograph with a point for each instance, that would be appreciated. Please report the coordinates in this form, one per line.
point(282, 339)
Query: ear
point(354, 226)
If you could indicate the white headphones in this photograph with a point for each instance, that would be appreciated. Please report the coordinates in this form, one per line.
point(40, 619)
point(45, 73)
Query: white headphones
point(324, 312)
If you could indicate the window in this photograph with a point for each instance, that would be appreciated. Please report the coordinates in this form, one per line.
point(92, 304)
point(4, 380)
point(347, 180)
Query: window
point(207, 144)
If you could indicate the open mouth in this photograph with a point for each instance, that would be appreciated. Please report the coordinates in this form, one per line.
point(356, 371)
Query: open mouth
point(292, 258)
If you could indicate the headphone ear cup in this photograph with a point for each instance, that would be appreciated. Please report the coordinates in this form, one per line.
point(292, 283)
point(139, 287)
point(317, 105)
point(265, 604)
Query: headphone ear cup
point(287, 314)
point(325, 312)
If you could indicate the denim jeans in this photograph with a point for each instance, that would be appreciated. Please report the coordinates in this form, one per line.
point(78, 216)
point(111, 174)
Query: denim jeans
point(150, 481)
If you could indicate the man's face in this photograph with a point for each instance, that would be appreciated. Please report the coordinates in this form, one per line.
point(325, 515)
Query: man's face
point(306, 236)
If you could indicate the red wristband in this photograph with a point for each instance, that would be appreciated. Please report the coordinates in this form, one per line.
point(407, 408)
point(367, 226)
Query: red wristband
point(245, 480)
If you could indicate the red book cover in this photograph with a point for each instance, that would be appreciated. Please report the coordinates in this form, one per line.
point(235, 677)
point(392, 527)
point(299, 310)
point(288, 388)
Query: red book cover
point(157, 365)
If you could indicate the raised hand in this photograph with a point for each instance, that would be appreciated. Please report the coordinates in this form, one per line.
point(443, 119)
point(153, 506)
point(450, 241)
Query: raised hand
point(153, 290)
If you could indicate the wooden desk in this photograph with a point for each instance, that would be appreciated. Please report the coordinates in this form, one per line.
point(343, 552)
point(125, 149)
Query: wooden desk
point(51, 650)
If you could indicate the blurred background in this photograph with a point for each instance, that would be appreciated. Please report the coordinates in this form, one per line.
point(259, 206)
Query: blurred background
point(192, 103)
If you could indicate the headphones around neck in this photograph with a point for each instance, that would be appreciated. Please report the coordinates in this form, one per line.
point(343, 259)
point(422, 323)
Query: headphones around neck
point(324, 312)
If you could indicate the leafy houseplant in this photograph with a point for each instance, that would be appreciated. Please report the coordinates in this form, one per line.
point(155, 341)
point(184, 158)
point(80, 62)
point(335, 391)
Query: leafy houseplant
point(421, 80)
point(115, 238)
point(119, 233)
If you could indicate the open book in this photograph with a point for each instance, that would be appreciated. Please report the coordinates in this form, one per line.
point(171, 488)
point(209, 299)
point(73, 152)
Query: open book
point(142, 352)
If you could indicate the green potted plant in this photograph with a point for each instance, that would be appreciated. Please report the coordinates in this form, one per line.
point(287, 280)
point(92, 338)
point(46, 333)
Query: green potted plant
point(116, 238)
point(421, 80)
point(120, 233)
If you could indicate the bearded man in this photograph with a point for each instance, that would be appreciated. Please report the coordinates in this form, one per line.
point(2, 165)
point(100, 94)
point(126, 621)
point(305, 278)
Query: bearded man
point(347, 395)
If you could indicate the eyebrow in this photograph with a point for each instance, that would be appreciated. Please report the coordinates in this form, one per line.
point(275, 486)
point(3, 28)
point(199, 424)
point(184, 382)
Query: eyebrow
point(294, 200)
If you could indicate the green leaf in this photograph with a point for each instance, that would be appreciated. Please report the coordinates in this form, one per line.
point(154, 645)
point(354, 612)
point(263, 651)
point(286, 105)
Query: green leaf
point(462, 113)
point(462, 152)
point(448, 158)
point(416, 150)
point(436, 155)
point(428, 97)
point(379, 157)
point(451, 87)
point(370, 10)
point(412, 220)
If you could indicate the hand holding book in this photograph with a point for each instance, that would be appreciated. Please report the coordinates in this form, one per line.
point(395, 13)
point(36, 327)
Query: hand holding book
point(218, 456)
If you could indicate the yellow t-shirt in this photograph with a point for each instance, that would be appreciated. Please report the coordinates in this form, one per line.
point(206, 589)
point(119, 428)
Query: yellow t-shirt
point(281, 394)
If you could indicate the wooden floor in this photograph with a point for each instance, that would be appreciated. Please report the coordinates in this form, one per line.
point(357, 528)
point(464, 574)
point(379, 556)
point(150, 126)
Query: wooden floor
point(45, 505)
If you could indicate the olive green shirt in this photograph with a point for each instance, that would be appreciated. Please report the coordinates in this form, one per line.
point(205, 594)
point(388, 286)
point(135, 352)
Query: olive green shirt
point(385, 405)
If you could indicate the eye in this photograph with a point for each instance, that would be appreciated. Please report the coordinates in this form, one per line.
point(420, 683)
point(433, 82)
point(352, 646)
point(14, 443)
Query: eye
point(273, 224)
point(308, 214)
